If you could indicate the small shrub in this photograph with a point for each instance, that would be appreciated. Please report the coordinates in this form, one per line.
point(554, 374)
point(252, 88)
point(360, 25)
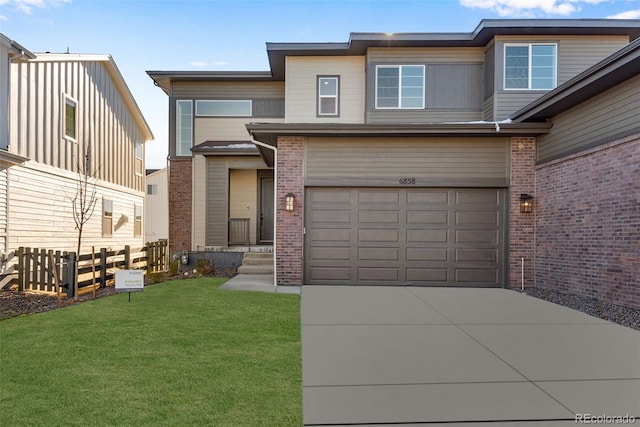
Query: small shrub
point(204, 267)
point(156, 277)
point(174, 266)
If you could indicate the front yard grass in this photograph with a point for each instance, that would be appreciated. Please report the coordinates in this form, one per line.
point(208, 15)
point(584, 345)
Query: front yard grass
point(180, 353)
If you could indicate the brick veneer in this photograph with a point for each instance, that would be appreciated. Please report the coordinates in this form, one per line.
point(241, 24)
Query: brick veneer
point(521, 226)
point(289, 238)
point(180, 177)
point(588, 223)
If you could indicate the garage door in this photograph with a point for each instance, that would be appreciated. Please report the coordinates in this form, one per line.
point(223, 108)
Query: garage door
point(398, 236)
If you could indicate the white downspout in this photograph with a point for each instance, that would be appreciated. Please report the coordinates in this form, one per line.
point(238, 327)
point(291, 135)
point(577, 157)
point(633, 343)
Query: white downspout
point(275, 204)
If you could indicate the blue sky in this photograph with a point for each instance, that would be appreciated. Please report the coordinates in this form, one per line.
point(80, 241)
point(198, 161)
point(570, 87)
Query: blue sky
point(146, 35)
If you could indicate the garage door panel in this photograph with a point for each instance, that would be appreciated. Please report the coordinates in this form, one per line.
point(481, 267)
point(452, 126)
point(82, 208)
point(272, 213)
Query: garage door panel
point(476, 218)
point(374, 274)
point(382, 197)
point(379, 217)
point(332, 216)
point(416, 217)
point(427, 254)
point(433, 276)
point(429, 197)
point(330, 274)
point(477, 236)
point(477, 255)
point(379, 254)
point(417, 236)
point(428, 236)
point(378, 235)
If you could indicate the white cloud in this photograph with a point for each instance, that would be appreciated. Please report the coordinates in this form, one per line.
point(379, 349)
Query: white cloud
point(198, 63)
point(206, 64)
point(630, 14)
point(221, 63)
point(27, 6)
point(3, 18)
point(529, 8)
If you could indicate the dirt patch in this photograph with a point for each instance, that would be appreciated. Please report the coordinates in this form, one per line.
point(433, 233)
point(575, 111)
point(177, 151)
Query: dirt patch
point(20, 303)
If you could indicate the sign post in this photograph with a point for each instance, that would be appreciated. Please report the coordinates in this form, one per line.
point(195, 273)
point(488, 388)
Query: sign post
point(129, 281)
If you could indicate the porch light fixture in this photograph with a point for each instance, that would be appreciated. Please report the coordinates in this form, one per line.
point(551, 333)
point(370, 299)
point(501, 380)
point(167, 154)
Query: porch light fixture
point(289, 199)
point(526, 203)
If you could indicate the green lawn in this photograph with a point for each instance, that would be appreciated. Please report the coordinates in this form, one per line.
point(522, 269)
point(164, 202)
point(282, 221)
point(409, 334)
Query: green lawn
point(181, 353)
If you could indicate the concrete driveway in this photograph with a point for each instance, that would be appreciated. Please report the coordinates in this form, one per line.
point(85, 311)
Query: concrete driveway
point(408, 355)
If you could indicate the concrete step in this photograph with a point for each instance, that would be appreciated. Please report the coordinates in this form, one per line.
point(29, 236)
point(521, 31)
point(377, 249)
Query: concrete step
point(256, 263)
point(255, 269)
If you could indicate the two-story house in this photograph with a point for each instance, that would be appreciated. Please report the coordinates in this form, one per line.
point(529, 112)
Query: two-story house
point(395, 157)
point(59, 112)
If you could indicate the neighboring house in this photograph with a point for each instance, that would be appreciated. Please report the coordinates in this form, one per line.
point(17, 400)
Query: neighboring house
point(156, 206)
point(61, 107)
point(397, 149)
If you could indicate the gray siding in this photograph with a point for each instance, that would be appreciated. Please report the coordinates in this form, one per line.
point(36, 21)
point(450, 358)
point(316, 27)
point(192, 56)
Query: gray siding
point(603, 118)
point(228, 90)
point(103, 119)
point(217, 194)
point(453, 92)
point(489, 71)
point(473, 162)
point(575, 54)
point(487, 109)
point(453, 84)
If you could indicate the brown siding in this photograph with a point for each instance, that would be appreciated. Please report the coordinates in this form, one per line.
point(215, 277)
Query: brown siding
point(426, 55)
point(476, 162)
point(600, 119)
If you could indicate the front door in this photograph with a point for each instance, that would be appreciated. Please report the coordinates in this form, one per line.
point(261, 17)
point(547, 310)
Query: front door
point(266, 209)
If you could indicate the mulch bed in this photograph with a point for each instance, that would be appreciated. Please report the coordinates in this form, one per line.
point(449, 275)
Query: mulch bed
point(20, 303)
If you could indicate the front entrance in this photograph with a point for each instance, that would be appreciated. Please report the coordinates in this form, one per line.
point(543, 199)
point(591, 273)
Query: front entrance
point(265, 224)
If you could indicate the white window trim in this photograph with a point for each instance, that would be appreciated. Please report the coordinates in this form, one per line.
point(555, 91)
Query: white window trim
point(400, 107)
point(66, 97)
point(197, 114)
point(529, 45)
point(321, 97)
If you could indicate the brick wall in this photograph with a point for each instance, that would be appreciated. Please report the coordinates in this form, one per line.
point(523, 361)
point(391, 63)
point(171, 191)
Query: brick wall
point(180, 177)
point(521, 225)
point(588, 223)
point(289, 238)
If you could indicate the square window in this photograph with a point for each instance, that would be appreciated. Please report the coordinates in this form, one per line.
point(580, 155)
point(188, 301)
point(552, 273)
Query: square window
point(400, 86)
point(530, 66)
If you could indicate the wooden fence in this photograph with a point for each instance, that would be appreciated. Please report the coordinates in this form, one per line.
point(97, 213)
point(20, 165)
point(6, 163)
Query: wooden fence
point(38, 269)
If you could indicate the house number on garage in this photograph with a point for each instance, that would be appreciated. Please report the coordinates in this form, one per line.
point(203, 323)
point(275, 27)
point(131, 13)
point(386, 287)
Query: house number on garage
point(407, 181)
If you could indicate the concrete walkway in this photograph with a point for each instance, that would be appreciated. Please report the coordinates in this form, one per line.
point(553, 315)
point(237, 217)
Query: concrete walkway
point(257, 283)
point(468, 357)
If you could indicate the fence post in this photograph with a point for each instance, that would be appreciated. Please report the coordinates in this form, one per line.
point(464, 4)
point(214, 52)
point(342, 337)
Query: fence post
point(71, 274)
point(34, 269)
point(21, 268)
point(43, 270)
point(127, 257)
point(103, 267)
point(27, 268)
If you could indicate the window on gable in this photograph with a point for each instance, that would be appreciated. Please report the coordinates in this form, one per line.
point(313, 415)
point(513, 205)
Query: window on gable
point(184, 128)
point(328, 88)
point(107, 217)
point(70, 118)
point(137, 226)
point(139, 158)
point(400, 86)
point(530, 66)
point(152, 189)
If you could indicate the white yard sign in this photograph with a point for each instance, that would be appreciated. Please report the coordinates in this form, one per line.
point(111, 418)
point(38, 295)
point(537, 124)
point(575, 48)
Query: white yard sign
point(129, 280)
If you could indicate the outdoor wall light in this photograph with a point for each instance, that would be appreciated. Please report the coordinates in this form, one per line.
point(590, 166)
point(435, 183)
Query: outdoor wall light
point(526, 203)
point(289, 199)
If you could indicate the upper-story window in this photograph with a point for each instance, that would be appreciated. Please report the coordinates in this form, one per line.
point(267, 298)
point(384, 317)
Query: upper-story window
point(530, 66)
point(152, 189)
point(400, 86)
point(328, 89)
point(139, 158)
point(223, 108)
point(70, 118)
point(184, 128)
